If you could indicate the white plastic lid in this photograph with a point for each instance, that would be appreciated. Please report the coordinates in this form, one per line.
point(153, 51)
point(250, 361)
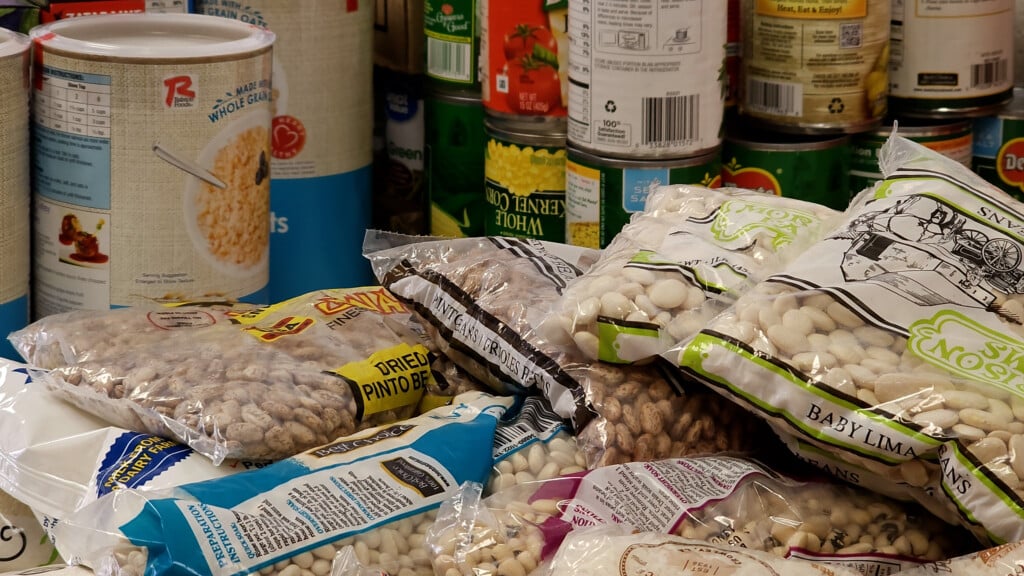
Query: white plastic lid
point(12, 43)
point(152, 36)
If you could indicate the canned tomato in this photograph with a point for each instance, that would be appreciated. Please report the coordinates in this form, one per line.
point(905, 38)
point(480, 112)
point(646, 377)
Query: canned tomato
point(999, 146)
point(647, 82)
point(524, 53)
point(452, 32)
point(455, 164)
point(321, 161)
point(601, 194)
point(951, 58)
point(524, 183)
point(151, 160)
point(952, 139)
point(14, 186)
point(808, 168)
point(815, 67)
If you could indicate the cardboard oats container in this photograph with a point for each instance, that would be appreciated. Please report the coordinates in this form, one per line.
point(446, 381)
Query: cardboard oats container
point(150, 160)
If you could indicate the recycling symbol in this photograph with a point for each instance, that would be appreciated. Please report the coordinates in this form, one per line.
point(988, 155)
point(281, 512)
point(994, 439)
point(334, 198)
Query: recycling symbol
point(609, 106)
point(836, 106)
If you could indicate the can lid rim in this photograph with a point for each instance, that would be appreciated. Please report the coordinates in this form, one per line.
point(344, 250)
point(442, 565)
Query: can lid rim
point(12, 42)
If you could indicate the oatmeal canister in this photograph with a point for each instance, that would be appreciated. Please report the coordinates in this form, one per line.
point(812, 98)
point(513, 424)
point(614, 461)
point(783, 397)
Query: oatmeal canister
point(815, 67)
point(524, 184)
point(322, 152)
point(601, 194)
point(151, 160)
point(647, 80)
point(951, 58)
point(813, 169)
point(15, 197)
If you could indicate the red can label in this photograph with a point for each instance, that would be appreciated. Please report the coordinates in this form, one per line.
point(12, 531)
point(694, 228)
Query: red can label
point(524, 52)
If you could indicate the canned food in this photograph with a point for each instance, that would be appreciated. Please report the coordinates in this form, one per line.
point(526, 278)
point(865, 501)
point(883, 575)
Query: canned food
point(815, 67)
point(151, 152)
point(601, 194)
point(14, 186)
point(650, 82)
point(999, 146)
point(455, 164)
point(452, 32)
point(23, 15)
point(321, 147)
point(808, 168)
point(524, 183)
point(951, 58)
point(951, 139)
point(400, 193)
point(524, 53)
point(732, 54)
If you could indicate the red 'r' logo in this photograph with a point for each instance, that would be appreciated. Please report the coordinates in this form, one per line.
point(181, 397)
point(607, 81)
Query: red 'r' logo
point(179, 92)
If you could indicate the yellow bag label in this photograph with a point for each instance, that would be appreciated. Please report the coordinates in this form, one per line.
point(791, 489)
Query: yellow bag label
point(287, 326)
point(813, 9)
point(329, 303)
point(388, 379)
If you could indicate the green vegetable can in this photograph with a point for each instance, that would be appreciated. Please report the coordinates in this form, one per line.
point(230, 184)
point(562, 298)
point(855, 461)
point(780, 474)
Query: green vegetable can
point(524, 182)
point(802, 167)
point(601, 194)
point(998, 154)
point(452, 34)
point(455, 164)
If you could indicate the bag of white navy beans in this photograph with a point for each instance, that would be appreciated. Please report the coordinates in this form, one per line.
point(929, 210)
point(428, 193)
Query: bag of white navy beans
point(896, 342)
point(686, 257)
point(290, 515)
point(720, 499)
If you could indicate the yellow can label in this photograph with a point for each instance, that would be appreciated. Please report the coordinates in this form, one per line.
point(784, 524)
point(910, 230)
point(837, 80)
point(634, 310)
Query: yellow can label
point(388, 379)
point(813, 9)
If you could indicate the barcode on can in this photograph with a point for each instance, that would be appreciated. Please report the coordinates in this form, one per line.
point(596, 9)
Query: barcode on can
point(781, 98)
point(449, 60)
point(670, 119)
point(988, 74)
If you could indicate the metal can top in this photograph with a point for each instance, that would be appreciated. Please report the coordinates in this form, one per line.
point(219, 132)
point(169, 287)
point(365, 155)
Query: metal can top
point(916, 127)
point(12, 43)
point(152, 37)
point(516, 134)
point(784, 142)
point(1014, 109)
point(579, 154)
point(449, 97)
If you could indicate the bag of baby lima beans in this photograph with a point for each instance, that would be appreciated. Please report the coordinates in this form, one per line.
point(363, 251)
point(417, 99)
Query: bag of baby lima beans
point(895, 343)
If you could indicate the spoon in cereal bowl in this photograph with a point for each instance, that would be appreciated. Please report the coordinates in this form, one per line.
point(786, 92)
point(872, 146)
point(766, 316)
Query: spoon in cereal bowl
point(187, 166)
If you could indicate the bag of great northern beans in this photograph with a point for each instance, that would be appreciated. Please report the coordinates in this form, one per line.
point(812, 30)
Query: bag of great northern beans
point(688, 256)
point(261, 384)
point(722, 500)
point(896, 342)
point(478, 296)
point(612, 551)
point(376, 491)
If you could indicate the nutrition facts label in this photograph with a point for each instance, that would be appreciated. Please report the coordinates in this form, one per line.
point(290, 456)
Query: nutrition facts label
point(73, 102)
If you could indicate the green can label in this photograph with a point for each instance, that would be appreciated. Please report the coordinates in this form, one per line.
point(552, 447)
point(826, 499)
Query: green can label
point(524, 188)
point(999, 153)
point(601, 199)
point(455, 167)
point(818, 175)
point(452, 41)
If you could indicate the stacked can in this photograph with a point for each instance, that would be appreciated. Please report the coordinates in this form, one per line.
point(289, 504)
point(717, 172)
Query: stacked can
point(999, 146)
point(453, 119)
point(647, 90)
point(524, 54)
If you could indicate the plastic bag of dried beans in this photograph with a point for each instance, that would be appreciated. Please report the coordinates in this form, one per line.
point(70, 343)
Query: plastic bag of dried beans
point(721, 500)
point(686, 257)
point(376, 491)
point(895, 343)
point(257, 384)
point(1004, 560)
point(478, 296)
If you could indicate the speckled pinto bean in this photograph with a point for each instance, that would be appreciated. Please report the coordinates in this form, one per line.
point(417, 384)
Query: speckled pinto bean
point(252, 386)
point(827, 342)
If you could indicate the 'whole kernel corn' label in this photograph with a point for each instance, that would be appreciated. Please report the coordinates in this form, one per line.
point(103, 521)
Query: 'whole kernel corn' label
point(524, 187)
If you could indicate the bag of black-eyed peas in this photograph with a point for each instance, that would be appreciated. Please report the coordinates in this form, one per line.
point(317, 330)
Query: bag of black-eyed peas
point(896, 342)
point(376, 491)
point(721, 500)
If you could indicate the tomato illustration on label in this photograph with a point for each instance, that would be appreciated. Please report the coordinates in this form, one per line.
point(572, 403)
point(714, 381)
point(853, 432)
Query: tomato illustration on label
point(1010, 163)
point(533, 86)
point(733, 174)
point(523, 39)
point(288, 137)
